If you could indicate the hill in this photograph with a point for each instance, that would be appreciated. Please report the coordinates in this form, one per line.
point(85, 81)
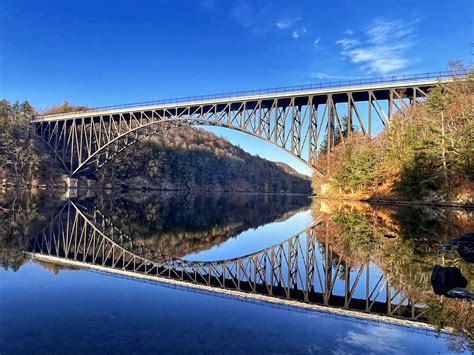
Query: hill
point(188, 158)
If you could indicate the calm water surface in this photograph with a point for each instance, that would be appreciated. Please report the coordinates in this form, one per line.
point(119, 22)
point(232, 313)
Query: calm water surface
point(358, 257)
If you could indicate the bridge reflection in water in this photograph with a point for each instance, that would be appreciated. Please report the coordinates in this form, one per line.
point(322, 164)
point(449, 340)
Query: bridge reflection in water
point(298, 268)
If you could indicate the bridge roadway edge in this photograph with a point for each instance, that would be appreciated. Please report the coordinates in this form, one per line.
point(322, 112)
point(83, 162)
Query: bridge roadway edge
point(420, 326)
point(127, 108)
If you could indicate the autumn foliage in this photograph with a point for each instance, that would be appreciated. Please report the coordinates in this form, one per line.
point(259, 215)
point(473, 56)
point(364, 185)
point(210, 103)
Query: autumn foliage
point(426, 153)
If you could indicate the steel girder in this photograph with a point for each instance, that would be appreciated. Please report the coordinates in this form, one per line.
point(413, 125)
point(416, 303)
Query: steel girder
point(296, 124)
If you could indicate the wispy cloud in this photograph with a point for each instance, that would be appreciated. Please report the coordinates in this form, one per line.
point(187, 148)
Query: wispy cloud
point(287, 22)
point(322, 76)
point(370, 338)
point(384, 49)
point(317, 45)
point(262, 17)
point(253, 16)
point(292, 25)
point(299, 32)
point(348, 32)
point(348, 43)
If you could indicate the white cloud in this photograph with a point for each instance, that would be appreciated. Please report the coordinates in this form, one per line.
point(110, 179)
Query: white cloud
point(261, 17)
point(348, 43)
point(316, 41)
point(299, 32)
point(384, 49)
point(371, 339)
point(287, 22)
point(319, 75)
point(348, 32)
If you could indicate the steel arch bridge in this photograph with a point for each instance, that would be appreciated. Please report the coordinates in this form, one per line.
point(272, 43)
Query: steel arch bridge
point(296, 119)
point(299, 268)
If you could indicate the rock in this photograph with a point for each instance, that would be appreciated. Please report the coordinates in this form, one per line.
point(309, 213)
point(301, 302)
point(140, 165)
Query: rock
point(464, 246)
point(444, 279)
point(461, 293)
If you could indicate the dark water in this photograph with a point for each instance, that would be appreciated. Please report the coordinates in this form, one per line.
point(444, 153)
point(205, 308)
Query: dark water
point(85, 274)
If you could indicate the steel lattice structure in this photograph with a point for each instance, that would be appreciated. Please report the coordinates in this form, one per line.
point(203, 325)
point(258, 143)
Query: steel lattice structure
point(298, 268)
point(296, 121)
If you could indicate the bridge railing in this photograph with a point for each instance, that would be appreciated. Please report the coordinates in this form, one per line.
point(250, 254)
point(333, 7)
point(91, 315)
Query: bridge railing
point(276, 90)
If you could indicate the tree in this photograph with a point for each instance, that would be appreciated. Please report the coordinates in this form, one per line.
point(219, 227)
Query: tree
point(437, 102)
point(357, 167)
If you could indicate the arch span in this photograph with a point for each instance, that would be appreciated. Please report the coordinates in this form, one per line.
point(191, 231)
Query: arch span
point(85, 144)
point(106, 153)
point(295, 121)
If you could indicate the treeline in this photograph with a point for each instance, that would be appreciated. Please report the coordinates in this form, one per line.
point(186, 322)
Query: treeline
point(188, 158)
point(18, 161)
point(64, 107)
point(24, 159)
point(426, 153)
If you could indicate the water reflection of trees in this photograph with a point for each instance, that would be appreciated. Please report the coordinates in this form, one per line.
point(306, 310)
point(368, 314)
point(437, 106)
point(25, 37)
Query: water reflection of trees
point(177, 224)
point(170, 223)
point(21, 213)
point(404, 242)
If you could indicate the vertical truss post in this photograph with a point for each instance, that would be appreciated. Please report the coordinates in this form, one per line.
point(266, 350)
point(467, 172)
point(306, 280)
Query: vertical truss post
point(369, 114)
point(349, 114)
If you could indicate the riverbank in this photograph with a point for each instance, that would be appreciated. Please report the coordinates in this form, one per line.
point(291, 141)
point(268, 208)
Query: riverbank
point(394, 202)
point(84, 188)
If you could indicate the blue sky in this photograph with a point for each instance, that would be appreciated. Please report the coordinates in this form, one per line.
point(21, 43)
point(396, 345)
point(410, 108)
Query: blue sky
point(100, 53)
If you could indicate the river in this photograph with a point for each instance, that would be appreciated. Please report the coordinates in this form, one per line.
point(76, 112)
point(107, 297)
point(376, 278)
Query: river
point(161, 271)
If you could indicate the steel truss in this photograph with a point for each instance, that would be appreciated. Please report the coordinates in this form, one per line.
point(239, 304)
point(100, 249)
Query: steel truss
point(298, 268)
point(297, 123)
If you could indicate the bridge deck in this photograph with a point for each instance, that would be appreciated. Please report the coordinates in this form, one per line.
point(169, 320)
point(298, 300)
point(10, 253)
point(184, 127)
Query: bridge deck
point(253, 96)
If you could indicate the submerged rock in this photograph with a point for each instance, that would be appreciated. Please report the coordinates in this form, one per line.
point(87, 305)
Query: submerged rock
point(461, 293)
point(464, 246)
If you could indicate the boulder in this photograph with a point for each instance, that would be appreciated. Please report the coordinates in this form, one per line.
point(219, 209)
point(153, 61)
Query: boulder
point(445, 278)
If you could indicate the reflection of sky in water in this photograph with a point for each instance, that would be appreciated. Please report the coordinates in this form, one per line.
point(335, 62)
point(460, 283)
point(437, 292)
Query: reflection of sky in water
point(78, 311)
point(253, 240)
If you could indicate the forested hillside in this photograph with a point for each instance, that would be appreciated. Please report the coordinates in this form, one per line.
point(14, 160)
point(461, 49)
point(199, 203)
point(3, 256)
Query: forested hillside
point(16, 157)
point(425, 154)
point(24, 161)
point(194, 159)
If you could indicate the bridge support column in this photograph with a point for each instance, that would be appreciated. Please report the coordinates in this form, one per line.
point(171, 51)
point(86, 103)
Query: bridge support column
point(71, 183)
